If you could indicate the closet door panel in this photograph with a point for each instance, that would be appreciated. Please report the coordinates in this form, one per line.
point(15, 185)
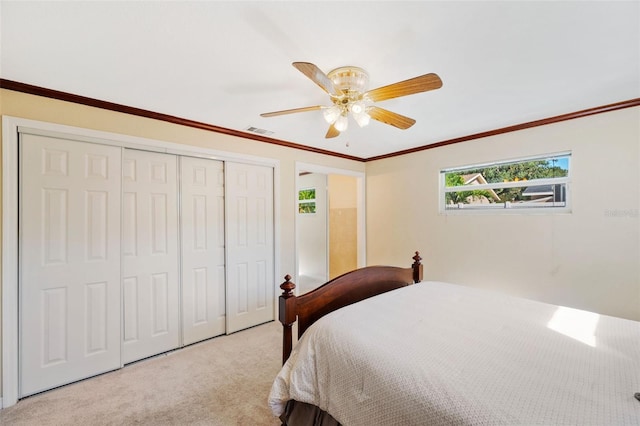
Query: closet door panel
point(69, 261)
point(203, 257)
point(150, 256)
point(250, 251)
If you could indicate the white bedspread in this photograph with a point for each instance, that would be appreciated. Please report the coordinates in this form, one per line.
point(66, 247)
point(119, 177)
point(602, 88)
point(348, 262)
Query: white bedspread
point(442, 354)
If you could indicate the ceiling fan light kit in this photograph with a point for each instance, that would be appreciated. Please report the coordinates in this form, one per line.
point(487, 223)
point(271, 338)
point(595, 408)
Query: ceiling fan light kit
point(353, 83)
point(348, 90)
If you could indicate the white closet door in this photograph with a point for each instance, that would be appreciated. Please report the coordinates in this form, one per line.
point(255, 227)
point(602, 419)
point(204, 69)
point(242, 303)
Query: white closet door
point(249, 220)
point(69, 261)
point(150, 279)
point(202, 224)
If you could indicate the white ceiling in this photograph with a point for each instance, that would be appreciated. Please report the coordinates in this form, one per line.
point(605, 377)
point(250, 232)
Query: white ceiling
point(224, 63)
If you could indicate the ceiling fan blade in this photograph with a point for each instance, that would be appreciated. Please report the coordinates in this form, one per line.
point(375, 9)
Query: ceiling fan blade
point(407, 87)
point(391, 118)
point(317, 76)
point(332, 132)
point(291, 111)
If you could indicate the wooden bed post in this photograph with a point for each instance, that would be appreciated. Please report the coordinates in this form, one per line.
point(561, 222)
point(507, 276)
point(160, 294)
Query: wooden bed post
point(287, 315)
point(417, 268)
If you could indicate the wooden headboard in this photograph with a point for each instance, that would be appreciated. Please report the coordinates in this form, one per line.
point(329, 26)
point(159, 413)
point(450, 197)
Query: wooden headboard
point(344, 290)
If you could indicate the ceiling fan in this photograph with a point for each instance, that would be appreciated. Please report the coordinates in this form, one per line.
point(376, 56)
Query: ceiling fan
point(347, 88)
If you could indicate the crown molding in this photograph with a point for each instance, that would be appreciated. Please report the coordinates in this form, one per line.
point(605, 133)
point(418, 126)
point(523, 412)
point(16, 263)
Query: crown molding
point(543, 122)
point(83, 100)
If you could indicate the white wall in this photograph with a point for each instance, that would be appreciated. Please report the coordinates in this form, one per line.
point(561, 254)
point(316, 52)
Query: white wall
point(587, 259)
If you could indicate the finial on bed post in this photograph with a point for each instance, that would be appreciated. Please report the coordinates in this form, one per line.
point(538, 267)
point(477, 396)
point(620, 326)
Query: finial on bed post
point(287, 315)
point(287, 286)
point(417, 268)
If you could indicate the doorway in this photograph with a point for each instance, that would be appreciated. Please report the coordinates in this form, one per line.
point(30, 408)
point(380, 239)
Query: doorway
point(329, 224)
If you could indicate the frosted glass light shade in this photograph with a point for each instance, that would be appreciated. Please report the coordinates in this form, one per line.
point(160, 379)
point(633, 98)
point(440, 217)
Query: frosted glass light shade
point(362, 118)
point(331, 114)
point(359, 111)
point(341, 123)
point(357, 107)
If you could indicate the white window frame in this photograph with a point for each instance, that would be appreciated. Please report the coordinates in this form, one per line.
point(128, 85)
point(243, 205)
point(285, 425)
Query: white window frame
point(308, 200)
point(507, 208)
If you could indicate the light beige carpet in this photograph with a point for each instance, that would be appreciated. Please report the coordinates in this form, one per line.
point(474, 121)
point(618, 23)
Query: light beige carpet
point(222, 381)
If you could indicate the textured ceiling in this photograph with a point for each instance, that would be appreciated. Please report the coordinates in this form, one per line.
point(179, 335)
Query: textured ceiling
point(224, 63)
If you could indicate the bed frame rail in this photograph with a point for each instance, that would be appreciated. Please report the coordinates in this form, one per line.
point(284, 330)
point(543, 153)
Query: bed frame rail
point(344, 290)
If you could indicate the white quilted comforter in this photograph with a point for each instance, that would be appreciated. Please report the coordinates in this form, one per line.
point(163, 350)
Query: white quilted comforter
point(442, 354)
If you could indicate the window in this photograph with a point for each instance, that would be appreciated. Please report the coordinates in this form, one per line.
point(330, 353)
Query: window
point(530, 183)
point(307, 200)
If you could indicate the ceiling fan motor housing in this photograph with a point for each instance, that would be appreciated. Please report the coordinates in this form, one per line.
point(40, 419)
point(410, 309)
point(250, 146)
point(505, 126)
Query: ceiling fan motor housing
point(351, 80)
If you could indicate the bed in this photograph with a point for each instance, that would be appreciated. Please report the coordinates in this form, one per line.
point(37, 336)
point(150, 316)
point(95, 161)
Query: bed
point(373, 349)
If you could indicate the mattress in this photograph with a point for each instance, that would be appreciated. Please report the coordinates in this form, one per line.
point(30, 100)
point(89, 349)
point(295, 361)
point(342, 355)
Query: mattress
point(437, 353)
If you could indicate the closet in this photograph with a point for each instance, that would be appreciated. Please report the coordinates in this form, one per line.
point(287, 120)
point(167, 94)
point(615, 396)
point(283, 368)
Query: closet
point(128, 253)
